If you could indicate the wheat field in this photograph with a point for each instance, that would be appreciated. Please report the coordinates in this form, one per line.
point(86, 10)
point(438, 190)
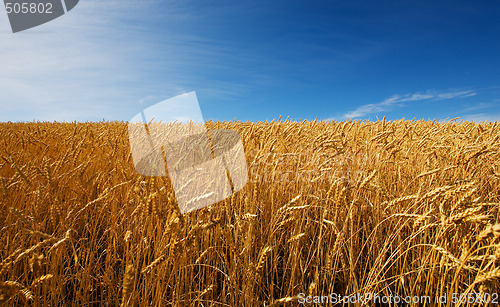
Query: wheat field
point(393, 208)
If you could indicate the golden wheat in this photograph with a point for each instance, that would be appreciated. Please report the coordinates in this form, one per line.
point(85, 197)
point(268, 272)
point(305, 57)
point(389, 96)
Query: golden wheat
point(408, 208)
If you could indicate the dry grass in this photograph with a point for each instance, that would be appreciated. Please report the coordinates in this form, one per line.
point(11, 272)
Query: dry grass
point(401, 208)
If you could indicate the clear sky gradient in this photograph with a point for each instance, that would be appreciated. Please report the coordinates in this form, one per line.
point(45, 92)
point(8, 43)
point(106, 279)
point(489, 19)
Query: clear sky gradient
point(257, 60)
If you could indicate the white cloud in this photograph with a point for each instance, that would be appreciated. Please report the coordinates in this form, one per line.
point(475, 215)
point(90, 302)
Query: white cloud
point(398, 100)
point(415, 97)
point(372, 108)
point(92, 63)
point(482, 117)
point(478, 106)
point(453, 94)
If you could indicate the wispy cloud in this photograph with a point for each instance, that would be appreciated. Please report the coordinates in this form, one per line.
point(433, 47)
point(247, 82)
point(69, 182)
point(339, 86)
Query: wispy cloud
point(66, 69)
point(98, 61)
point(450, 95)
point(479, 106)
point(482, 117)
point(399, 100)
point(108, 59)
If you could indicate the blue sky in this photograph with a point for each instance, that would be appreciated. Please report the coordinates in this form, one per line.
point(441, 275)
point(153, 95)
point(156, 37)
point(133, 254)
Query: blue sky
point(257, 60)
